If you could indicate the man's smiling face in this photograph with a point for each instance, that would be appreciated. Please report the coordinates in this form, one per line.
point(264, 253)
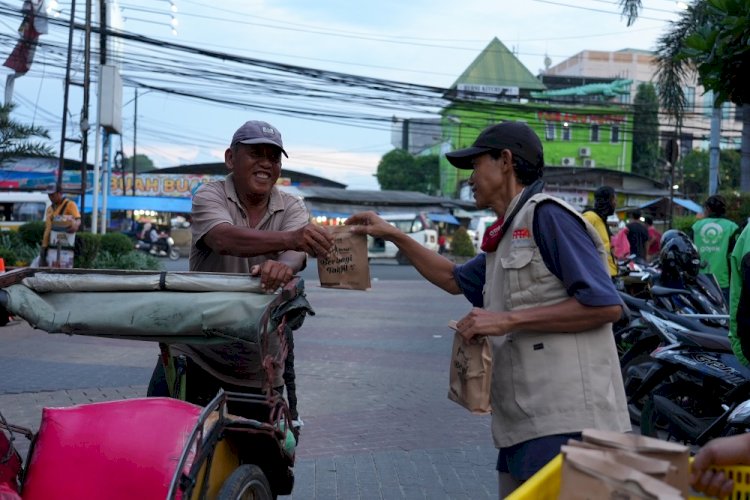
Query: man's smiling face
point(256, 167)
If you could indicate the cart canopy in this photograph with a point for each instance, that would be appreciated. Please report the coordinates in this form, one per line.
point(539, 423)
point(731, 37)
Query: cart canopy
point(185, 308)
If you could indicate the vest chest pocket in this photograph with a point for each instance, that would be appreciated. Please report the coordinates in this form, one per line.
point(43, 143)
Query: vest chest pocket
point(517, 269)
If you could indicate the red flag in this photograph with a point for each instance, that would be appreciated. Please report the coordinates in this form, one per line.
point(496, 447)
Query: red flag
point(23, 54)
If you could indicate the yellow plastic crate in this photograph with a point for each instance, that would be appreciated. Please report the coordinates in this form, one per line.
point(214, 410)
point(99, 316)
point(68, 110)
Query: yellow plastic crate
point(545, 484)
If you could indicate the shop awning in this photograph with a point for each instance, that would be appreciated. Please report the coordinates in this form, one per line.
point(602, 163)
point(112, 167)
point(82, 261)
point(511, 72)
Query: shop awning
point(447, 218)
point(684, 203)
point(689, 204)
point(156, 203)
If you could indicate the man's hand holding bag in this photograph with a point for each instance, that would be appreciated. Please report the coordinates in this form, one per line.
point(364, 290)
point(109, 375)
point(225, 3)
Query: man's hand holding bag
point(471, 373)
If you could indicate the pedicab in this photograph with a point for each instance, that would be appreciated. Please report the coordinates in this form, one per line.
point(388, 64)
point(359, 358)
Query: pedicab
point(156, 447)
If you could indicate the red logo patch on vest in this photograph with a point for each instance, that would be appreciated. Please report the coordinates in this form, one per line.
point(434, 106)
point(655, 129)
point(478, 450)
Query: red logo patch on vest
point(521, 234)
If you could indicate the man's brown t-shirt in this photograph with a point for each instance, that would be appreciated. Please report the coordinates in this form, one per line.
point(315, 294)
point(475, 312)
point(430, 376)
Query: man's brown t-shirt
point(217, 203)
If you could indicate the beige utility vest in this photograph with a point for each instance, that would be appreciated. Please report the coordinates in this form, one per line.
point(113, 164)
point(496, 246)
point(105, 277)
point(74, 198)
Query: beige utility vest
point(547, 383)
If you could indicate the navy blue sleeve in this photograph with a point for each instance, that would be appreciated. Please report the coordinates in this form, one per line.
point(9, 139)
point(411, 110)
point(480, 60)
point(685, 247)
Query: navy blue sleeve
point(570, 254)
point(470, 278)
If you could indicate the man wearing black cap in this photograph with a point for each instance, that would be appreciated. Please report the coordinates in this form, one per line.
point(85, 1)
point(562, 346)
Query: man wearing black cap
point(541, 290)
point(245, 224)
point(63, 214)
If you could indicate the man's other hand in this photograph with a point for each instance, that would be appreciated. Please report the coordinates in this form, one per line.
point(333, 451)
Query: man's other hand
point(369, 223)
point(273, 274)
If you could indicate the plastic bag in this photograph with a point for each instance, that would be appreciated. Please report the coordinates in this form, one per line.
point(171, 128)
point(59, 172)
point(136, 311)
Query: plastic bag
point(620, 244)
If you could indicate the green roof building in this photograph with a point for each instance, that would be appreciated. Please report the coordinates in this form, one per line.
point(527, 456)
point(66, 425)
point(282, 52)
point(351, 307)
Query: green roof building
point(498, 87)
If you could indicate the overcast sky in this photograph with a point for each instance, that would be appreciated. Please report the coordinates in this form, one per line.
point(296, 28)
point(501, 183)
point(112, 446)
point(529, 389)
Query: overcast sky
point(419, 41)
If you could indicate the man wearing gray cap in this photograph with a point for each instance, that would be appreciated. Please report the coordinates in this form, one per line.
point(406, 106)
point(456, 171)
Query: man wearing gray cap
point(541, 293)
point(245, 224)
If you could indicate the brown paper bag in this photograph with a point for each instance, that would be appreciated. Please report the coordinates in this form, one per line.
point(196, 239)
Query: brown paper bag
point(347, 266)
point(677, 454)
point(662, 470)
point(587, 474)
point(471, 374)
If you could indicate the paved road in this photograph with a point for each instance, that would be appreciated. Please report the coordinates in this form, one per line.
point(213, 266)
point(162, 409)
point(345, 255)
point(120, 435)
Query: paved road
point(380, 269)
point(372, 372)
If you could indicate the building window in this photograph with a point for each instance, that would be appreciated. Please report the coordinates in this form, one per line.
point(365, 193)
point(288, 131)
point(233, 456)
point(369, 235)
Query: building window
point(686, 144)
point(615, 134)
point(708, 103)
point(566, 132)
point(594, 132)
point(726, 110)
point(689, 98)
point(549, 131)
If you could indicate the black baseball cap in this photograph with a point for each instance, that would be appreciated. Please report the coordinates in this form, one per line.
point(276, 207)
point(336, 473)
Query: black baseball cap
point(516, 136)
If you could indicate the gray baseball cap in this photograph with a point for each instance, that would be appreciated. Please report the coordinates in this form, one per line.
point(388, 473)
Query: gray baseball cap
point(258, 132)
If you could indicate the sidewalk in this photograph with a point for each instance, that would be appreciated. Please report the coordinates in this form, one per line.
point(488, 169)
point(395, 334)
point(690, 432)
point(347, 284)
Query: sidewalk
point(372, 378)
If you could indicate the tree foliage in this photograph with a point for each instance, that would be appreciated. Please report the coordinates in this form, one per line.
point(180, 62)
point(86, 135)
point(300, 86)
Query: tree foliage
point(695, 172)
point(711, 37)
point(399, 170)
point(719, 47)
point(17, 139)
point(142, 164)
point(646, 132)
point(461, 245)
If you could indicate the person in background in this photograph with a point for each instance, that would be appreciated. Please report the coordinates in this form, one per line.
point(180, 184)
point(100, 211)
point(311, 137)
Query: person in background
point(654, 238)
point(637, 235)
point(145, 233)
point(61, 208)
point(714, 235)
point(739, 297)
point(244, 224)
point(441, 243)
point(605, 203)
point(542, 291)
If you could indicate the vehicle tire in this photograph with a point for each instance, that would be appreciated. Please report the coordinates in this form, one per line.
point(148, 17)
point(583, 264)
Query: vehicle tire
point(402, 259)
point(633, 373)
point(174, 254)
point(4, 316)
point(653, 422)
point(649, 424)
point(246, 482)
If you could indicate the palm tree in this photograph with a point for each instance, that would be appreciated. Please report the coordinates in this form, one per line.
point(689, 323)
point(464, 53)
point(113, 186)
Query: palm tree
point(15, 138)
point(712, 38)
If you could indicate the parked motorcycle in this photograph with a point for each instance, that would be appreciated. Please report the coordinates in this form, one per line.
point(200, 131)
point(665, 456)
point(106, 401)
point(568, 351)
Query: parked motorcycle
point(671, 290)
point(696, 390)
point(164, 247)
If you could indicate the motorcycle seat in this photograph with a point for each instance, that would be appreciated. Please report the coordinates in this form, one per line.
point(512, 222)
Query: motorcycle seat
point(663, 291)
point(709, 342)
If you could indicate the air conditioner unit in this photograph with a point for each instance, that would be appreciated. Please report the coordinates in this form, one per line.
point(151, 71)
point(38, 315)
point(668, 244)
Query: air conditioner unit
point(584, 152)
point(589, 163)
point(568, 161)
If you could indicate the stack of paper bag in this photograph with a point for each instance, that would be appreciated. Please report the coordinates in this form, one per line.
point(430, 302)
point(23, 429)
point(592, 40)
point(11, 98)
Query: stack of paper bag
point(615, 465)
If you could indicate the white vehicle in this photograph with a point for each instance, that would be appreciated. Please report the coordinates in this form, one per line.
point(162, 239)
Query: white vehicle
point(477, 227)
point(416, 225)
point(18, 208)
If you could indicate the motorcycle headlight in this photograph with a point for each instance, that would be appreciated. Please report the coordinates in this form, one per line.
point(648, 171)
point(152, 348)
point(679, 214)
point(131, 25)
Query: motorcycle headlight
point(740, 416)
